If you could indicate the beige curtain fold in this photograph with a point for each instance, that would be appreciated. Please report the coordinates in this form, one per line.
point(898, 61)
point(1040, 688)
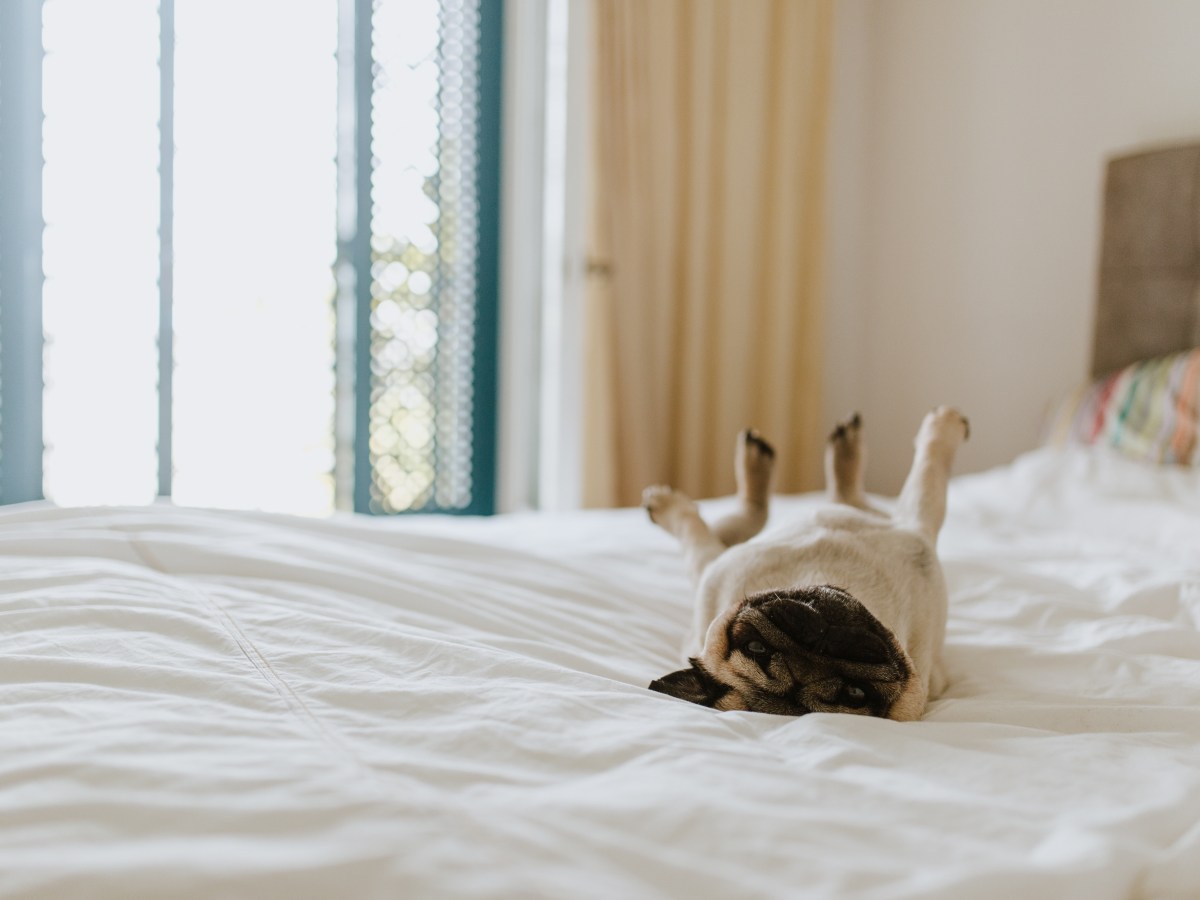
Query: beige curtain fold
point(706, 199)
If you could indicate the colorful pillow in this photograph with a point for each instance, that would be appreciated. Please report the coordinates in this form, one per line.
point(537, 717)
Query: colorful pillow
point(1149, 410)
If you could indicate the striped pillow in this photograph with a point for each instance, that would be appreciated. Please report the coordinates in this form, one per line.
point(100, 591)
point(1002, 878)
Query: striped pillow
point(1149, 410)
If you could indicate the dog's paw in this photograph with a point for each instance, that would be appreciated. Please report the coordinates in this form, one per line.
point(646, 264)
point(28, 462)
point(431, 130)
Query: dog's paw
point(753, 447)
point(667, 507)
point(945, 427)
point(753, 462)
point(846, 437)
point(846, 430)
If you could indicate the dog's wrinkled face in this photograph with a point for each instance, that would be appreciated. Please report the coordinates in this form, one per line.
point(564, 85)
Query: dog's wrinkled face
point(813, 649)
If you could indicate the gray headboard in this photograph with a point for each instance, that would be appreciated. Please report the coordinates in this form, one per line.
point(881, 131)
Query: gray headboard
point(1149, 289)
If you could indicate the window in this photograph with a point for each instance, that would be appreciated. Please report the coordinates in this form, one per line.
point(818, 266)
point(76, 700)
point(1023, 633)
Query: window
point(269, 264)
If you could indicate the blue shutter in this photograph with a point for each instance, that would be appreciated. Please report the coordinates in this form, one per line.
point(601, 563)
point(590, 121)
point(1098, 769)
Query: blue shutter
point(426, 255)
point(20, 251)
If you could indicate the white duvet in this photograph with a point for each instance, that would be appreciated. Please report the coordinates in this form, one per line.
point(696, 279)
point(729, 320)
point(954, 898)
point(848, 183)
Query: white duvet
point(210, 704)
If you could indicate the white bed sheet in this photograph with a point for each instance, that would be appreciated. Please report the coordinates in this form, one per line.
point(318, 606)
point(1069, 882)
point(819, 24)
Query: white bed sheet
point(197, 703)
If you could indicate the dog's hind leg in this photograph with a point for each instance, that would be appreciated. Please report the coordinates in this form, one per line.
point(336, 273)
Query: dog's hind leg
point(675, 512)
point(845, 464)
point(923, 498)
point(753, 462)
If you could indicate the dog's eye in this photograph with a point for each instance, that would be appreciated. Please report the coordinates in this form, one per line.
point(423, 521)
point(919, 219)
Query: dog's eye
point(853, 696)
point(756, 647)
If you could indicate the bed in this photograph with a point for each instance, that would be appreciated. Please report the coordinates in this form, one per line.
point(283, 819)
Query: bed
point(218, 704)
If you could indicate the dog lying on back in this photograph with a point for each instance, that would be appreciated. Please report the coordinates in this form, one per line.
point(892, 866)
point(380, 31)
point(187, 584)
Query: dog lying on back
point(844, 612)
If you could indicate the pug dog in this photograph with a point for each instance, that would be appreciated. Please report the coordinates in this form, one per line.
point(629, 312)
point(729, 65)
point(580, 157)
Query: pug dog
point(844, 611)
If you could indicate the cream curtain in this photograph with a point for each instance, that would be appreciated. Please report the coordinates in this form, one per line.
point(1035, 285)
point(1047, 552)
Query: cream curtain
point(704, 298)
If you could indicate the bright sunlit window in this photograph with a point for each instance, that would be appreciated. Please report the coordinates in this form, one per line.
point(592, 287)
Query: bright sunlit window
point(100, 250)
point(255, 244)
point(269, 255)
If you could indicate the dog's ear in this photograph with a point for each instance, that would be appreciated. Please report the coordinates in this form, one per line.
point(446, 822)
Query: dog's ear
point(692, 684)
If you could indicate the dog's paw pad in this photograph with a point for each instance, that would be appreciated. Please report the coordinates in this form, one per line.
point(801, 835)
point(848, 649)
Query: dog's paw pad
point(668, 508)
point(754, 444)
point(946, 425)
point(847, 436)
point(847, 429)
point(753, 461)
point(664, 504)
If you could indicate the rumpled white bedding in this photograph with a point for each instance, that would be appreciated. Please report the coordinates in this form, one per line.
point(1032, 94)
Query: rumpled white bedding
point(197, 703)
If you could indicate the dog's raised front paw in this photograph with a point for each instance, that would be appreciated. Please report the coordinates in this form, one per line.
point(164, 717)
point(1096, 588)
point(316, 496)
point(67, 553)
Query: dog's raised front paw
point(944, 426)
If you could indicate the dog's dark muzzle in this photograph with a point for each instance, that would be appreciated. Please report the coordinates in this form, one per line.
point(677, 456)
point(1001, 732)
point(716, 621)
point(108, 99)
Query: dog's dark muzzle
point(826, 621)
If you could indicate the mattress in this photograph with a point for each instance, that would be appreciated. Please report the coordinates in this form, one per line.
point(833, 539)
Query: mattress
point(199, 703)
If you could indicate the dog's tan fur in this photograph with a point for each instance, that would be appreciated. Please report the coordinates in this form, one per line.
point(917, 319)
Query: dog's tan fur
point(843, 612)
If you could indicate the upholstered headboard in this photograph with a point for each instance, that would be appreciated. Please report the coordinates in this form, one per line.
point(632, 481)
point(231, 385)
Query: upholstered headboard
point(1149, 289)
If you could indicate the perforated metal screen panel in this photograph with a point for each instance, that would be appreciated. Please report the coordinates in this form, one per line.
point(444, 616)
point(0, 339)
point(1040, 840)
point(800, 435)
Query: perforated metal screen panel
point(431, 372)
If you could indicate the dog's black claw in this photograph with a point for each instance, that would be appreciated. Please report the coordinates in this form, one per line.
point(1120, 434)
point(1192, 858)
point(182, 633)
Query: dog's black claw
point(840, 432)
point(753, 437)
point(966, 428)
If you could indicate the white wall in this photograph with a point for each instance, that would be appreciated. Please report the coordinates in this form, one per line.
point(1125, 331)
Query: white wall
point(967, 150)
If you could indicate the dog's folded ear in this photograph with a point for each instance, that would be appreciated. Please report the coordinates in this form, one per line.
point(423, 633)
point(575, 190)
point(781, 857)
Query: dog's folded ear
point(692, 684)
